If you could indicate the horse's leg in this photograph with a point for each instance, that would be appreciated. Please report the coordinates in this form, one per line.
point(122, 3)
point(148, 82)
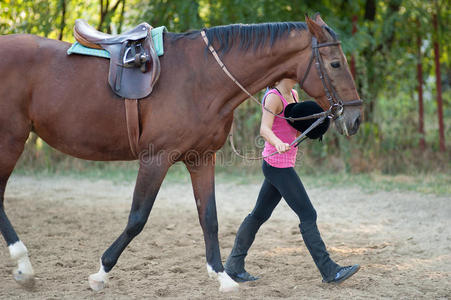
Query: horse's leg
point(202, 177)
point(11, 147)
point(150, 177)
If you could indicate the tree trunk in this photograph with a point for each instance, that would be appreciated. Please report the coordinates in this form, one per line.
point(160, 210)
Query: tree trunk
point(370, 10)
point(102, 14)
point(354, 30)
point(106, 13)
point(439, 85)
point(121, 19)
point(420, 91)
point(63, 19)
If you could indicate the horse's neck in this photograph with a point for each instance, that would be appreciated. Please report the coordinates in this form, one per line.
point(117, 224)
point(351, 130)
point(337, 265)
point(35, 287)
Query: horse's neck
point(256, 70)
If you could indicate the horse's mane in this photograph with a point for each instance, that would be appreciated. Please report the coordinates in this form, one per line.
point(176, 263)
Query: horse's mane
point(249, 35)
point(253, 35)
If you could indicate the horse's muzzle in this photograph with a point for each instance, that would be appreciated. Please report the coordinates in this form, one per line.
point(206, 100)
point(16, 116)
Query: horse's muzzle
point(349, 122)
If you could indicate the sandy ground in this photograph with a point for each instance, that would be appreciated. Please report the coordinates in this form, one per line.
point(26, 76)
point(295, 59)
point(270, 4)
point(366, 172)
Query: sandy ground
point(402, 241)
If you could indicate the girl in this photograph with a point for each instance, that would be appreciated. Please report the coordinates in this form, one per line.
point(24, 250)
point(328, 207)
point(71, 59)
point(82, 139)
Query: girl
point(281, 180)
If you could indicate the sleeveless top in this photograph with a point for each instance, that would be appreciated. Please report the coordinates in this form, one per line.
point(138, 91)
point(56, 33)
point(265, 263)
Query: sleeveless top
point(285, 133)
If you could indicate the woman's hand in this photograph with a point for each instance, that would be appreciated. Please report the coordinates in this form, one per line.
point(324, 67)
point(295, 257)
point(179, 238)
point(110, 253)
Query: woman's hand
point(282, 147)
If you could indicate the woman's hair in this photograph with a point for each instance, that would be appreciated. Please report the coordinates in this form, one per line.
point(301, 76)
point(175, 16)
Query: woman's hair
point(273, 85)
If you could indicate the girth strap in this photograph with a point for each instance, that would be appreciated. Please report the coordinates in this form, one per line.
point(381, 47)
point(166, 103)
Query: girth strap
point(132, 118)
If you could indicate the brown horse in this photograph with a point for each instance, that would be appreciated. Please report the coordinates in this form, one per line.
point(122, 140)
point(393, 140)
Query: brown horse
point(66, 100)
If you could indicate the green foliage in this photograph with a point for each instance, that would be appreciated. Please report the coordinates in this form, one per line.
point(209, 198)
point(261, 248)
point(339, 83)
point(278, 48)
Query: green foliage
point(176, 15)
point(30, 16)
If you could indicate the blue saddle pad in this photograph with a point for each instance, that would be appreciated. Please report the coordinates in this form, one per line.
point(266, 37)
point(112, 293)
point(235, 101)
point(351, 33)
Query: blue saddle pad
point(157, 37)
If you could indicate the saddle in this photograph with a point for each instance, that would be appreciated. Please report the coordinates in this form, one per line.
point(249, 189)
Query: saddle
point(134, 67)
point(134, 64)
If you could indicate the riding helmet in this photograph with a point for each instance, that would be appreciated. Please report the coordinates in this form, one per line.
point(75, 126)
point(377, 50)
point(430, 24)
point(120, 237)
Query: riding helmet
point(304, 109)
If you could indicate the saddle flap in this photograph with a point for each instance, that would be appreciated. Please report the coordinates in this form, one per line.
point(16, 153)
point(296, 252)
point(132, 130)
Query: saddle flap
point(131, 82)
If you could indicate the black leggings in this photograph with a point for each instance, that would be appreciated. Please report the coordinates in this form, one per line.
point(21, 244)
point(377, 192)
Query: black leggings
point(278, 183)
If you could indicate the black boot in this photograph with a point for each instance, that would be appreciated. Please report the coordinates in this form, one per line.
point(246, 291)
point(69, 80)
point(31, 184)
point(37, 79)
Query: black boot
point(344, 273)
point(315, 245)
point(245, 236)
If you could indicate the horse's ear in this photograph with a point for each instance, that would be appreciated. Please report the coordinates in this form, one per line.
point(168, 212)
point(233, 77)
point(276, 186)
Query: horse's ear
point(316, 30)
point(319, 20)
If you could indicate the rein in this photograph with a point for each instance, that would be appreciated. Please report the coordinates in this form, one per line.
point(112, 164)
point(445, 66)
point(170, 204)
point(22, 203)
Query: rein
point(336, 103)
point(294, 143)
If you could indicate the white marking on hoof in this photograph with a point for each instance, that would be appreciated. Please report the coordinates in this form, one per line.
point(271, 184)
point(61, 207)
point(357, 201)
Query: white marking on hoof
point(24, 273)
point(98, 280)
point(211, 272)
point(226, 284)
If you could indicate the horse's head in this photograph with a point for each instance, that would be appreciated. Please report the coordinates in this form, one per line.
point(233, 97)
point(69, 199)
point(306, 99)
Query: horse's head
point(328, 79)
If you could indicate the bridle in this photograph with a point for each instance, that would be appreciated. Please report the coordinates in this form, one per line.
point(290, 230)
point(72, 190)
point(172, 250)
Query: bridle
point(336, 103)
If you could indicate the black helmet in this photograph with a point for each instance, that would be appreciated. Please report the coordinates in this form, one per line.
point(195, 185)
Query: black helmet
point(304, 109)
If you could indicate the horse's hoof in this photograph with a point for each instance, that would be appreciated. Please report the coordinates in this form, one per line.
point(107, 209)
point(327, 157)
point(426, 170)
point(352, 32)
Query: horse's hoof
point(227, 284)
point(95, 283)
point(24, 279)
point(229, 289)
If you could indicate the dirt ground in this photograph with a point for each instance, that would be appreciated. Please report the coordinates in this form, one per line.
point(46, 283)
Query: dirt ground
point(402, 240)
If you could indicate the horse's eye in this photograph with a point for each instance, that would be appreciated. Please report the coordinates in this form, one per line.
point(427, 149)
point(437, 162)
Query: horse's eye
point(335, 64)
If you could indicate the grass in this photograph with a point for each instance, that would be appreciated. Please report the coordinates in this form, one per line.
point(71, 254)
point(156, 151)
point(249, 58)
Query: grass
point(438, 184)
point(428, 183)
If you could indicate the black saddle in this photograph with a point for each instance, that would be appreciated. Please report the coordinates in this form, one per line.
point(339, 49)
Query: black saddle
point(134, 64)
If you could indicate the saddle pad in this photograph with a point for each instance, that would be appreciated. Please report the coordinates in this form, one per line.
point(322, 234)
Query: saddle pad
point(157, 37)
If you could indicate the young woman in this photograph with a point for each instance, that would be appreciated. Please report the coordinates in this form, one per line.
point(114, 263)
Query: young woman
point(281, 180)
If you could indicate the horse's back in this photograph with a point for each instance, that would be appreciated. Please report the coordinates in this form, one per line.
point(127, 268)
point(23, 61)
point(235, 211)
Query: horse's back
point(20, 52)
point(14, 44)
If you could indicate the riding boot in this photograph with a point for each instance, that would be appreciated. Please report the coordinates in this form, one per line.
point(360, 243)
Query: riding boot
point(243, 241)
point(312, 239)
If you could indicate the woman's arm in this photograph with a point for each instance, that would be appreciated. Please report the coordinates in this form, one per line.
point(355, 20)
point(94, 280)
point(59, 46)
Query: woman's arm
point(274, 104)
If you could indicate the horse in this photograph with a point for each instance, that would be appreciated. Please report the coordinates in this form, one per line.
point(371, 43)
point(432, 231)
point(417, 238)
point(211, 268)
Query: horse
point(67, 102)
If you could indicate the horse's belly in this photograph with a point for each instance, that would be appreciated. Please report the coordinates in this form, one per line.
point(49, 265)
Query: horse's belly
point(83, 141)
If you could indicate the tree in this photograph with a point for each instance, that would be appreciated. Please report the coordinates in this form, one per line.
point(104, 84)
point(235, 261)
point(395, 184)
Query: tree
point(107, 11)
point(438, 80)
